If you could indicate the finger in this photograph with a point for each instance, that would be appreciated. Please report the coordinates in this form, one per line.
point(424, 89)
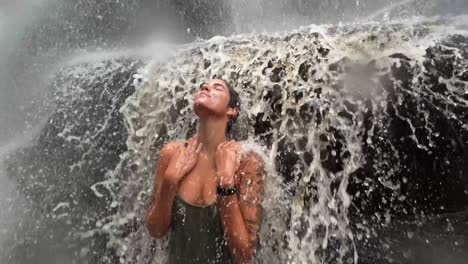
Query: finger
point(196, 143)
point(200, 145)
point(190, 145)
point(239, 156)
point(237, 146)
point(232, 144)
point(220, 146)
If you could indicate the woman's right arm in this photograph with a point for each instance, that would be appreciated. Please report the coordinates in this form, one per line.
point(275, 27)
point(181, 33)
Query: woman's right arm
point(175, 161)
point(158, 216)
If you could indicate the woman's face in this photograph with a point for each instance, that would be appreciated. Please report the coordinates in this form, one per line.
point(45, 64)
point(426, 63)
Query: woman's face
point(213, 98)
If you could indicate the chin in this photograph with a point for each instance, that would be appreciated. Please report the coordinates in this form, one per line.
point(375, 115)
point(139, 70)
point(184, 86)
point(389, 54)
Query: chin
point(201, 109)
point(204, 110)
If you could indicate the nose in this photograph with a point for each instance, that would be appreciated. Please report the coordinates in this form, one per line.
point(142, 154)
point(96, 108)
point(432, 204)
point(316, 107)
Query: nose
point(207, 87)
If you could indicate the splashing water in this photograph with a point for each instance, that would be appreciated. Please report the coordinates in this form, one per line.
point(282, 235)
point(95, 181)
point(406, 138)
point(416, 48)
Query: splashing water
point(334, 111)
point(295, 109)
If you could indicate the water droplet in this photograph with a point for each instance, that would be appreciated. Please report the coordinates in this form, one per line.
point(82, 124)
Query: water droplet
point(410, 234)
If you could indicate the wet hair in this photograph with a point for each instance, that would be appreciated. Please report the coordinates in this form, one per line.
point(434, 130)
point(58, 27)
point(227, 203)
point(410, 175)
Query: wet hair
point(234, 102)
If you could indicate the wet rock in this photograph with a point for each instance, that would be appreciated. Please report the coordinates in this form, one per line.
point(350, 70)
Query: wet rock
point(399, 56)
point(304, 71)
point(277, 73)
point(286, 160)
point(262, 127)
point(306, 111)
point(275, 99)
point(330, 153)
point(323, 51)
point(346, 115)
point(206, 64)
point(297, 95)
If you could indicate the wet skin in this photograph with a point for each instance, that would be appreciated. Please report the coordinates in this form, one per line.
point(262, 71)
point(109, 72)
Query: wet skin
point(194, 169)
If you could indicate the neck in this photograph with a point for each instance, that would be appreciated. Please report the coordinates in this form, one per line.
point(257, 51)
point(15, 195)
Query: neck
point(211, 132)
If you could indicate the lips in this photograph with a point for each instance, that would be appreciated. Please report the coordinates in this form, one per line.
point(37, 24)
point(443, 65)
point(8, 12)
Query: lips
point(204, 93)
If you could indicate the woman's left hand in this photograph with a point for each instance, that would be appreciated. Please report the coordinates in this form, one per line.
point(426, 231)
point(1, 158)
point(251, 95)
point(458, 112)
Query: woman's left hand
point(227, 163)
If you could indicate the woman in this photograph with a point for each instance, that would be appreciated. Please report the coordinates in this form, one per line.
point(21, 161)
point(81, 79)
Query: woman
point(206, 191)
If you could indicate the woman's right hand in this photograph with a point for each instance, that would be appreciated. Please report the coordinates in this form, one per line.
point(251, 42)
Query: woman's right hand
point(183, 161)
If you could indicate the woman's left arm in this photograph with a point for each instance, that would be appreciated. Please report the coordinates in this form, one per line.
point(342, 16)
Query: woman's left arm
point(241, 214)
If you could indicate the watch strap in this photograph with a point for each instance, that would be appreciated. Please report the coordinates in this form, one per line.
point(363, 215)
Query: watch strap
point(223, 191)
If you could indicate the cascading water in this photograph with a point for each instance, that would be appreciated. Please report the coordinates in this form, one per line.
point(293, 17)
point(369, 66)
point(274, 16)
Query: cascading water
point(363, 128)
point(323, 102)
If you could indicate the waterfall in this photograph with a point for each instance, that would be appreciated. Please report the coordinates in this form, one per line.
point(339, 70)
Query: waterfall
point(363, 127)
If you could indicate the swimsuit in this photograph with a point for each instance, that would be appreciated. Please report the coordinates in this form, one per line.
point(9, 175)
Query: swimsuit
point(197, 235)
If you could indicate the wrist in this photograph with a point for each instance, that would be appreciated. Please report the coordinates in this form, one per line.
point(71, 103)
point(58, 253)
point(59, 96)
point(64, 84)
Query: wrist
point(226, 180)
point(172, 178)
point(227, 184)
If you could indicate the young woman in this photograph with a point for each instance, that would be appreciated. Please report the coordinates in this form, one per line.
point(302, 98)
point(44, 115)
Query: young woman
point(206, 191)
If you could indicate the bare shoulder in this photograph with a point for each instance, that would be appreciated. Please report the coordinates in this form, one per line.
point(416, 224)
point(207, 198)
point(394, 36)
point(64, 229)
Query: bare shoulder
point(168, 150)
point(253, 159)
point(252, 168)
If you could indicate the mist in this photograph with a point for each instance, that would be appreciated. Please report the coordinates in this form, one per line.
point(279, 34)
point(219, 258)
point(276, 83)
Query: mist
point(38, 37)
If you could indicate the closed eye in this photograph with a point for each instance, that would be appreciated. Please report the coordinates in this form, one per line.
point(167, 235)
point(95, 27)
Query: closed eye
point(219, 87)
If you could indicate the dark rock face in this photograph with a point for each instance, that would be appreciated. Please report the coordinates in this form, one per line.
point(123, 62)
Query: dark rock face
point(432, 147)
point(426, 128)
point(391, 131)
point(77, 148)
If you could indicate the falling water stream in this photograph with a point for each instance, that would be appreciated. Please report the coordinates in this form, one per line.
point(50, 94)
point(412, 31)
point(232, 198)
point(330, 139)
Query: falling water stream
point(363, 127)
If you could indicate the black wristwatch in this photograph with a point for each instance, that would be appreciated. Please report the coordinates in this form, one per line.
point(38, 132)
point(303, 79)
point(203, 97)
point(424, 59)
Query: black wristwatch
point(226, 191)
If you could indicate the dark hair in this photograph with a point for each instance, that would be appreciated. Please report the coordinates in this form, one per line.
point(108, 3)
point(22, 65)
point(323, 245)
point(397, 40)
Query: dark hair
point(234, 102)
